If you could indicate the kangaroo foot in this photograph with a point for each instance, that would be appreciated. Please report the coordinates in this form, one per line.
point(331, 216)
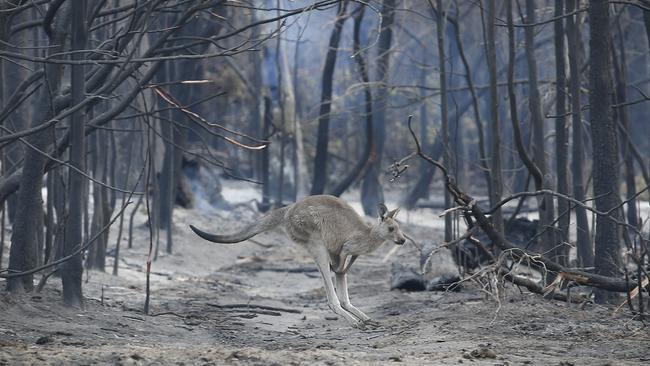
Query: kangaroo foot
point(372, 323)
point(358, 324)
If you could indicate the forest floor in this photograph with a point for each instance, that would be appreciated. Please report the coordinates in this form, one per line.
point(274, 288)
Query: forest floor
point(263, 304)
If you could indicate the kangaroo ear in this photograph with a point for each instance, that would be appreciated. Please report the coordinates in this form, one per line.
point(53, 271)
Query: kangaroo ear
point(393, 213)
point(382, 210)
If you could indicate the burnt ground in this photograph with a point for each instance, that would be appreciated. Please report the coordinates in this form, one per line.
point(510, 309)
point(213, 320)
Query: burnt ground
point(263, 304)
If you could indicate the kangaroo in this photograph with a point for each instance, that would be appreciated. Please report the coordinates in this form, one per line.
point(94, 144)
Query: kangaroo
point(333, 234)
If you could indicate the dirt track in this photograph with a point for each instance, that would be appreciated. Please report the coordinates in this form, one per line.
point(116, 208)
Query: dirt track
point(199, 315)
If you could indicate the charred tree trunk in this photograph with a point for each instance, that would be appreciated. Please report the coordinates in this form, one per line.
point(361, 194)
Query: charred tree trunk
point(545, 203)
point(440, 30)
point(168, 196)
point(603, 135)
point(166, 180)
point(494, 130)
point(561, 254)
point(165, 200)
point(584, 246)
point(12, 75)
point(22, 255)
point(371, 190)
point(320, 160)
point(621, 114)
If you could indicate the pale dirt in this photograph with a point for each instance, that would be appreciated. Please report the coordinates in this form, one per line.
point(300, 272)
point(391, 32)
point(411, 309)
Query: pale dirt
point(184, 327)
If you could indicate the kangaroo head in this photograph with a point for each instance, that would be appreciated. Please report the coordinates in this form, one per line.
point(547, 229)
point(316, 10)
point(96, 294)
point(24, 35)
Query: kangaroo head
point(388, 228)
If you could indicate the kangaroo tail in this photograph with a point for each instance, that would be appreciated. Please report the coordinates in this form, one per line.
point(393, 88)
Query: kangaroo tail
point(264, 223)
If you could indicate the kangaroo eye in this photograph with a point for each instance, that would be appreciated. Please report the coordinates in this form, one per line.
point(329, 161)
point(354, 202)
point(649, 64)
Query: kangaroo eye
point(391, 229)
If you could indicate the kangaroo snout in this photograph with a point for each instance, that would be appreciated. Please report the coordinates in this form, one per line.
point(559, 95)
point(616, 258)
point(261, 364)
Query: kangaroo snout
point(400, 241)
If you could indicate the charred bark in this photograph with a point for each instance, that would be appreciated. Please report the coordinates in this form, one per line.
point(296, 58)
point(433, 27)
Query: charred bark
point(71, 271)
point(22, 255)
point(603, 135)
point(561, 253)
point(446, 158)
point(584, 246)
point(622, 119)
point(494, 137)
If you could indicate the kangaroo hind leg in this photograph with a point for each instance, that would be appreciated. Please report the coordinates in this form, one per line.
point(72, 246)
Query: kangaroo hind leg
point(323, 263)
point(342, 290)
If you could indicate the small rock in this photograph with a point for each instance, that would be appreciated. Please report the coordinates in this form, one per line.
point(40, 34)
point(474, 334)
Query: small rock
point(395, 358)
point(482, 353)
point(137, 357)
point(44, 340)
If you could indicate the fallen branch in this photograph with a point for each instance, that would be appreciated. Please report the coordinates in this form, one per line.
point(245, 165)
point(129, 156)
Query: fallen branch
point(535, 287)
point(255, 306)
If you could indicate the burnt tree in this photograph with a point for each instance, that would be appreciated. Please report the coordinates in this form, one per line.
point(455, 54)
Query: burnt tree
point(603, 135)
point(71, 270)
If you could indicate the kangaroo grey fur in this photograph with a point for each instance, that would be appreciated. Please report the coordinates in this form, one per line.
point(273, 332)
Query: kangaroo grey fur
point(333, 234)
